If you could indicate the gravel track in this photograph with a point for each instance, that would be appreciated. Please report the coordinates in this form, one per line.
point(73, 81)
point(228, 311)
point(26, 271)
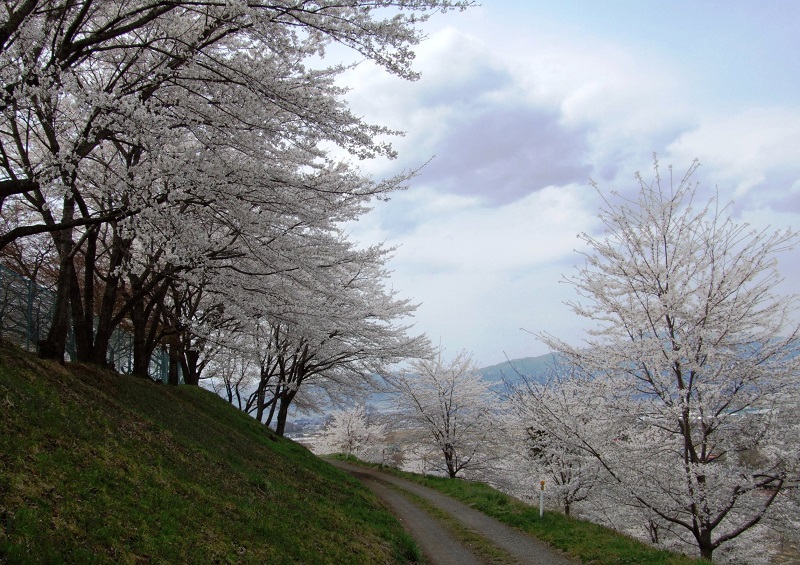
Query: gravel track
point(436, 543)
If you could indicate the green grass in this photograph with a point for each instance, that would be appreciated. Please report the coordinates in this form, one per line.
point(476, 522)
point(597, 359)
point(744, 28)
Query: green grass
point(101, 468)
point(585, 541)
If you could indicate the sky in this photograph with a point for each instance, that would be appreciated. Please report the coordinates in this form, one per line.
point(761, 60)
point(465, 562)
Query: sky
point(521, 104)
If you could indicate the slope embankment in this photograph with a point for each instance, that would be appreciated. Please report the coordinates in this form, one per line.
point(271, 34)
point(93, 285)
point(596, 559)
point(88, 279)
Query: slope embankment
point(101, 468)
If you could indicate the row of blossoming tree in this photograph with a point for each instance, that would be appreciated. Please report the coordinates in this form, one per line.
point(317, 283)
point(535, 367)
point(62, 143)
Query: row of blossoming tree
point(162, 169)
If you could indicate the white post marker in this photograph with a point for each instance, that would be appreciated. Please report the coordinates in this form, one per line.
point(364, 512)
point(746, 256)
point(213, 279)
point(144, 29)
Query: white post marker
point(541, 500)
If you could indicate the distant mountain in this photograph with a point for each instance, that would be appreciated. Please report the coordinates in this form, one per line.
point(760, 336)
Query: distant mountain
point(512, 369)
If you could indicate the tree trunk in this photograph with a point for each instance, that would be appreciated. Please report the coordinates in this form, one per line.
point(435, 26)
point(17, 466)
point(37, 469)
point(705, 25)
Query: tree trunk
point(55, 344)
point(704, 542)
point(271, 414)
point(652, 528)
point(173, 377)
point(280, 424)
point(106, 316)
point(283, 412)
point(449, 461)
point(141, 360)
point(82, 315)
point(260, 399)
point(191, 375)
point(144, 314)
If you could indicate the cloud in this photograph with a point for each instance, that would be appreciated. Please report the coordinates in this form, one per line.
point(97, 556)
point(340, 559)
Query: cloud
point(458, 71)
point(536, 230)
point(505, 154)
point(753, 156)
point(472, 112)
point(480, 269)
point(451, 233)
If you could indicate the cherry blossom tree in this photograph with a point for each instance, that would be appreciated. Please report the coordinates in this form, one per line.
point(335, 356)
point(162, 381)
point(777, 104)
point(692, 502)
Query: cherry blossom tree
point(552, 414)
point(148, 138)
point(317, 334)
point(692, 370)
point(341, 336)
point(447, 407)
point(349, 431)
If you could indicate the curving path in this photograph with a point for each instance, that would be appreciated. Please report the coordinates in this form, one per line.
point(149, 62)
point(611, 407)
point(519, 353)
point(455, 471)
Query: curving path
point(435, 541)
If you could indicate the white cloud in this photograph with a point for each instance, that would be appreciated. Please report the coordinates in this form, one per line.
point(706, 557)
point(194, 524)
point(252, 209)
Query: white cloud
point(484, 270)
point(535, 230)
point(754, 149)
point(586, 100)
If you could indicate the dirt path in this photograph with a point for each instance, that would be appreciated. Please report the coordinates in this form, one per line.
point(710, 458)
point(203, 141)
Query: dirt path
point(436, 542)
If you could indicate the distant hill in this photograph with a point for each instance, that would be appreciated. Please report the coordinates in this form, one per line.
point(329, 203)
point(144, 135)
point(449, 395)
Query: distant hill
point(97, 467)
point(511, 370)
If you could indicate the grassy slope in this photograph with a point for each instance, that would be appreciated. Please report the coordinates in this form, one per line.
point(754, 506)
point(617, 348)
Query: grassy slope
point(97, 468)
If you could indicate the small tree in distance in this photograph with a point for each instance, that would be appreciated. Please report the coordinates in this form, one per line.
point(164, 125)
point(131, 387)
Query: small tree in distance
point(694, 362)
point(446, 405)
point(542, 407)
point(349, 432)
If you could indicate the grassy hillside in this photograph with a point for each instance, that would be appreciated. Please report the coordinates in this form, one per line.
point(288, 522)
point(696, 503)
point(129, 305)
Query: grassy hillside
point(101, 468)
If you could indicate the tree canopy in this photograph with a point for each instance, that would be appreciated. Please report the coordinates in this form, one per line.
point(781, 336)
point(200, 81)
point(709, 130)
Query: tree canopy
point(691, 372)
point(174, 162)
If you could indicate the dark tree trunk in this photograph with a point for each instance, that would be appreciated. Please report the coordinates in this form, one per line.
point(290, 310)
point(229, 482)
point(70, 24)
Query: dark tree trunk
point(272, 406)
point(141, 359)
point(173, 377)
point(260, 394)
point(449, 460)
point(82, 318)
point(55, 344)
point(102, 339)
point(283, 412)
point(145, 313)
point(706, 547)
point(652, 528)
point(191, 375)
point(280, 423)
point(107, 321)
point(261, 398)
